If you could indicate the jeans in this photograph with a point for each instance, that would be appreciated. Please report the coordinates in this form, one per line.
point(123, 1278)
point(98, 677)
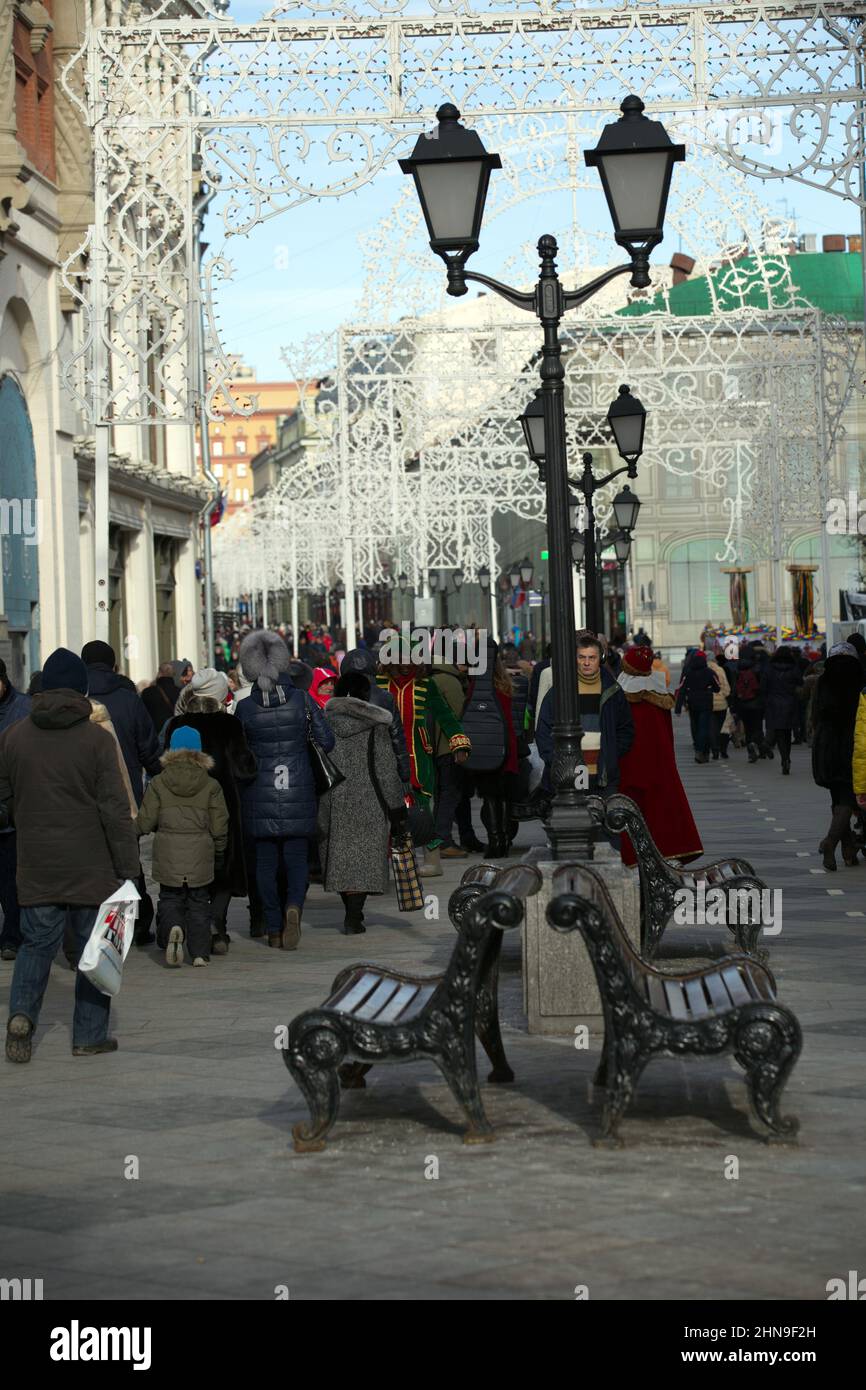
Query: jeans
point(189, 909)
point(700, 722)
point(11, 933)
point(717, 719)
point(42, 933)
point(293, 855)
point(449, 790)
point(219, 908)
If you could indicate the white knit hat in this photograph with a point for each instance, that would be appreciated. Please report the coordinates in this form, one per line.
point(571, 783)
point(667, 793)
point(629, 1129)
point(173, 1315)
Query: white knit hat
point(210, 682)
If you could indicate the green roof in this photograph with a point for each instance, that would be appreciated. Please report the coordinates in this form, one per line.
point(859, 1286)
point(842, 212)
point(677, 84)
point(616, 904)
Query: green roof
point(831, 281)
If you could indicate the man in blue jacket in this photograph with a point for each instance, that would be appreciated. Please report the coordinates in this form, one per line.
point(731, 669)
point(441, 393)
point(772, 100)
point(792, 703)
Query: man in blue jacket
point(137, 738)
point(608, 728)
point(13, 706)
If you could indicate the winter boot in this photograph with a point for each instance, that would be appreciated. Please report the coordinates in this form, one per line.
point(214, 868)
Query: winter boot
point(291, 933)
point(828, 855)
point(472, 844)
point(786, 767)
point(353, 923)
point(724, 740)
point(752, 752)
point(432, 866)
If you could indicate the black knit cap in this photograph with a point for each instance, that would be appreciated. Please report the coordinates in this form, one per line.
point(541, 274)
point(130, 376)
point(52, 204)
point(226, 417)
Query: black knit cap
point(64, 671)
point(98, 654)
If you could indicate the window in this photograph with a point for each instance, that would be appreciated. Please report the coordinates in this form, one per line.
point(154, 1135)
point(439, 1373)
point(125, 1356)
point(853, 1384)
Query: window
point(240, 445)
point(677, 487)
point(698, 589)
point(216, 448)
point(240, 470)
point(246, 494)
point(218, 470)
point(237, 494)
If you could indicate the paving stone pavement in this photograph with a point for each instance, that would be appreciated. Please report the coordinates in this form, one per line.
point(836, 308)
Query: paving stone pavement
point(223, 1209)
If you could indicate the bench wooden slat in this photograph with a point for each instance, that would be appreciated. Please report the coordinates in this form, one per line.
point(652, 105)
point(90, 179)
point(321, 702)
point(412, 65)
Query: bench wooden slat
point(738, 991)
point(676, 1002)
point(715, 987)
point(697, 999)
point(371, 1006)
point(399, 1001)
point(354, 993)
point(656, 994)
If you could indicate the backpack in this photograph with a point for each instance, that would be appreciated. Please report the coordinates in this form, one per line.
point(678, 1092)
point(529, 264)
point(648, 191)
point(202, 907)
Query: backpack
point(747, 685)
point(484, 724)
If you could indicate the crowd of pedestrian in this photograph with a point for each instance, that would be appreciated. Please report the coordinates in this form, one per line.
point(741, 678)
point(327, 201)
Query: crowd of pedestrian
point(216, 769)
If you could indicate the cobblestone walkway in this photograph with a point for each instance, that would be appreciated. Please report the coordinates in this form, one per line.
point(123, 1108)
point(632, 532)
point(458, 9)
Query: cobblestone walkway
point(198, 1096)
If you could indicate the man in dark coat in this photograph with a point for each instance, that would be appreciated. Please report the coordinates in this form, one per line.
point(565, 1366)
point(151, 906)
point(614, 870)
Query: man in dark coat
point(608, 728)
point(60, 781)
point(697, 688)
point(13, 706)
point(781, 687)
point(138, 744)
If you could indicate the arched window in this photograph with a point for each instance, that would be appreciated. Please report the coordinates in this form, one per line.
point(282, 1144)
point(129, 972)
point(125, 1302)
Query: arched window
point(698, 588)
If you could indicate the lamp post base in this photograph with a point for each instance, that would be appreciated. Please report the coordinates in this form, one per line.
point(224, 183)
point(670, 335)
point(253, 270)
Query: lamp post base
point(571, 832)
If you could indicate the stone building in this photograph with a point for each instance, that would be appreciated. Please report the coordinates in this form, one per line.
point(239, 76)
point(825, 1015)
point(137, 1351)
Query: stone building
point(47, 595)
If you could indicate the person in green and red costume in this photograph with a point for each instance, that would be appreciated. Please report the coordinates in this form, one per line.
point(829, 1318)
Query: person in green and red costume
point(415, 693)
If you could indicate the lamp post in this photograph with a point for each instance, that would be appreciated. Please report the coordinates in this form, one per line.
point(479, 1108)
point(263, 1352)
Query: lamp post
point(452, 169)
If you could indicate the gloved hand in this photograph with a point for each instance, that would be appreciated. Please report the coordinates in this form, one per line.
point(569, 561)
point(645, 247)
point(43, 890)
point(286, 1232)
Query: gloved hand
point(399, 819)
point(219, 862)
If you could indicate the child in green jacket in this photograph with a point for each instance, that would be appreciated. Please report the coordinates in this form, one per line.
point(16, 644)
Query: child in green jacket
point(186, 808)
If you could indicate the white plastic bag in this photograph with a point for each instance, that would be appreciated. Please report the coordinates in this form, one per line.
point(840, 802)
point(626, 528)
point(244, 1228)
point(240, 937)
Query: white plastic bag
point(536, 768)
point(108, 946)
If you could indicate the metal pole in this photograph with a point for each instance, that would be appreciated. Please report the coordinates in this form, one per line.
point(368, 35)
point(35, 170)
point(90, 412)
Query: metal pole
point(101, 428)
point(295, 619)
point(569, 828)
point(491, 565)
point(541, 587)
point(823, 484)
point(590, 559)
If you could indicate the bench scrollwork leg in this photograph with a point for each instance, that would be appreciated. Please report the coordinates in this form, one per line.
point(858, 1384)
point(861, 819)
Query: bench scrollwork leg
point(314, 1055)
point(767, 1045)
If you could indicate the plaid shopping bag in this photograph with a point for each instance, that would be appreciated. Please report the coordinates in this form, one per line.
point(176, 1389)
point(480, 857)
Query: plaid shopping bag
point(405, 868)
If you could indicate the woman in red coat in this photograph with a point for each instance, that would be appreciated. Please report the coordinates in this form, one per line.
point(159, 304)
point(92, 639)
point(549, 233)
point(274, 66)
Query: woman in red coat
point(648, 772)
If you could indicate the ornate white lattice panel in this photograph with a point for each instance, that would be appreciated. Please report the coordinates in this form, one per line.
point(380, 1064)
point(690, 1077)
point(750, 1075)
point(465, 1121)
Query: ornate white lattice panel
point(317, 98)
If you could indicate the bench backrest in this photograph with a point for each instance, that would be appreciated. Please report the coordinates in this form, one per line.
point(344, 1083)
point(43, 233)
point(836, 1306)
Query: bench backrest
point(483, 874)
point(586, 883)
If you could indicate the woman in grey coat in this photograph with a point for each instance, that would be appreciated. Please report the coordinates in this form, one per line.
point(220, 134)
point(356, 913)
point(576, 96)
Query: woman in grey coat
point(356, 818)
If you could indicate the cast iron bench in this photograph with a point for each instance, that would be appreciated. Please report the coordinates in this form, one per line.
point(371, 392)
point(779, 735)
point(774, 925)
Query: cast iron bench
point(376, 1015)
point(727, 1007)
point(661, 879)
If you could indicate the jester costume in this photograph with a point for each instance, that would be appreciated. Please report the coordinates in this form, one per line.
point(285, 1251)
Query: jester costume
point(648, 771)
point(416, 696)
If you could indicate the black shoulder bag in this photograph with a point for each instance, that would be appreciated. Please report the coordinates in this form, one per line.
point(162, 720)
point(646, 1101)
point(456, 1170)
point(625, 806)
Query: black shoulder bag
point(326, 775)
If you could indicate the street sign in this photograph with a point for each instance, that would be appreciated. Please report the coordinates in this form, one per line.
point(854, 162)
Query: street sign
point(535, 599)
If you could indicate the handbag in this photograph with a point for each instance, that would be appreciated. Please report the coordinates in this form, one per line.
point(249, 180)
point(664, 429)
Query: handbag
point(326, 775)
point(404, 865)
point(410, 897)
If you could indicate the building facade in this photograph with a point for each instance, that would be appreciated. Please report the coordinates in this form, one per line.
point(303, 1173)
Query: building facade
point(47, 590)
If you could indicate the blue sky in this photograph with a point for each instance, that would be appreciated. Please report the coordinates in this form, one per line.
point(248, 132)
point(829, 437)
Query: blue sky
point(302, 272)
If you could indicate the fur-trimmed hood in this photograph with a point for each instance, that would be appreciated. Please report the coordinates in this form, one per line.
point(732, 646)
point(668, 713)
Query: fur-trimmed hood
point(264, 657)
point(350, 716)
point(185, 770)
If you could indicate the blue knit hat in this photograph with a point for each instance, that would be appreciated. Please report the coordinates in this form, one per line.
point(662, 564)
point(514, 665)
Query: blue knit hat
point(185, 737)
point(63, 670)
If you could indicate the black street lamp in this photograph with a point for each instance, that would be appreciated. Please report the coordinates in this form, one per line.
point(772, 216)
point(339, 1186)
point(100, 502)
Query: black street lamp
point(484, 579)
point(451, 169)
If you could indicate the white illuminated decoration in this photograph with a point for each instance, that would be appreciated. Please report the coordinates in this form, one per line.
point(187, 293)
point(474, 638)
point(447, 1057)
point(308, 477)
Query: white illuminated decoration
point(422, 445)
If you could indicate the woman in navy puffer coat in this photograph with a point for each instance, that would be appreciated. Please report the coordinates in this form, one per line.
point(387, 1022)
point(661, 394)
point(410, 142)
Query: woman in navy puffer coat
point(280, 807)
